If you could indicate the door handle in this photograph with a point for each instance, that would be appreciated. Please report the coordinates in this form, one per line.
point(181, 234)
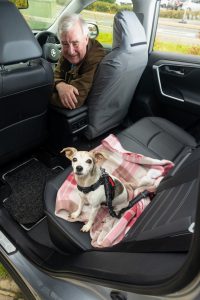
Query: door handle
point(180, 72)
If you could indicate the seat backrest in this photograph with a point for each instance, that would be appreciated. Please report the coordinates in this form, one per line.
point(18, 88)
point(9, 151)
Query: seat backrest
point(26, 82)
point(117, 75)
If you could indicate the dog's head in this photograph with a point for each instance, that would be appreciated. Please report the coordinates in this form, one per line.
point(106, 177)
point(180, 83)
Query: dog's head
point(83, 162)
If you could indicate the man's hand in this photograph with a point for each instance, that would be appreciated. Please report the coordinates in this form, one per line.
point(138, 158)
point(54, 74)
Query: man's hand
point(67, 94)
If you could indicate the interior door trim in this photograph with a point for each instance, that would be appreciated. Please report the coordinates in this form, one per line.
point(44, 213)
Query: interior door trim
point(159, 64)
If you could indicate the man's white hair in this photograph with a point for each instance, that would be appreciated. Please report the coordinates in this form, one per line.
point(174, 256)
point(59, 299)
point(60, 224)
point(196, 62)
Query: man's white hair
point(69, 21)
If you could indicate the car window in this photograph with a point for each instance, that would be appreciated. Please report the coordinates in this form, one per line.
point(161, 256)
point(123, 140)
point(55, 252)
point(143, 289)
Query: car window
point(179, 27)
point(102, 14)
point(41, 14)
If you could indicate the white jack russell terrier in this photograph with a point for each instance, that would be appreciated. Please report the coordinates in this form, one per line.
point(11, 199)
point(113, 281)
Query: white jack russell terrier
point(90, 184)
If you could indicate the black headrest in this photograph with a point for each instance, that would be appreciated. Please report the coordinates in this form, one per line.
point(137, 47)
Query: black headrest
point(17, 40)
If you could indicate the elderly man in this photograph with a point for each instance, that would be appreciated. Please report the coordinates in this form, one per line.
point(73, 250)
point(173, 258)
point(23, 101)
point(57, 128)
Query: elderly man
point(80, 57)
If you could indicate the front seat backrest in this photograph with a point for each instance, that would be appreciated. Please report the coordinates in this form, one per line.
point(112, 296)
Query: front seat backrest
point(26, 82)
point(117, 75)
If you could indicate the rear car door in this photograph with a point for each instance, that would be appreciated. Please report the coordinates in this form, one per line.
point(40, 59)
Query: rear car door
point(169, 86)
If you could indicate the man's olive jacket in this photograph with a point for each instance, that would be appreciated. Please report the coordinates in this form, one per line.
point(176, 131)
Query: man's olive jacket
point(80, 76)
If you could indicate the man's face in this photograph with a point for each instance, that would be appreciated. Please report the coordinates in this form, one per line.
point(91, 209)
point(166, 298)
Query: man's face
point(74, 44)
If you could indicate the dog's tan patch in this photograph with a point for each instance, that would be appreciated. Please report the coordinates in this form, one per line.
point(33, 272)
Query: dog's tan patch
point(71, 206)
point(118, 187)
point(69, 152)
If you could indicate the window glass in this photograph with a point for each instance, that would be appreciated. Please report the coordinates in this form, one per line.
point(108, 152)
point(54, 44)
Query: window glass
point(41, 14)
point(179, 27)
point(102, 13)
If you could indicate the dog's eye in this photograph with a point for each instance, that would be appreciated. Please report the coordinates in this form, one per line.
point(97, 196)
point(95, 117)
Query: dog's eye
point(88, 161)
point(74, 159)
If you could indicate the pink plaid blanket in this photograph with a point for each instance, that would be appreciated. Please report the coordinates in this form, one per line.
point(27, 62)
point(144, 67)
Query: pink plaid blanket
point(136, 171)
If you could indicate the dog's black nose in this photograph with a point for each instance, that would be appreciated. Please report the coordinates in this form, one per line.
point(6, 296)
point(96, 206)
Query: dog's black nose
point(79, 168)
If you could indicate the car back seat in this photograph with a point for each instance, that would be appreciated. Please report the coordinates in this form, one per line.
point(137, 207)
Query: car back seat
point(172, 210)
point(158, 138)
point(168, 222)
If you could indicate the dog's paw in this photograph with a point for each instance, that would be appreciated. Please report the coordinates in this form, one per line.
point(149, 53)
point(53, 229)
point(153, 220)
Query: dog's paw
point(86, 228)
point(75, 214)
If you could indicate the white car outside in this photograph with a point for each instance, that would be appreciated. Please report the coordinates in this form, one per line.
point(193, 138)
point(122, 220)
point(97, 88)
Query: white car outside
point(164, 3)
point(191, 5)
point(121, 2)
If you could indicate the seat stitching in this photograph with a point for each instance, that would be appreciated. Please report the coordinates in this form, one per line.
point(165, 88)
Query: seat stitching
point(182, 148)
point(181, 141)
point(153, 137)
point(24, 120)
point(141, 144)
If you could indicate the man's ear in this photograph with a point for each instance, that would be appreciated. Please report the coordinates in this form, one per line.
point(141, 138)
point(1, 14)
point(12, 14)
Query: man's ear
point(99, 157)
point(69, 152)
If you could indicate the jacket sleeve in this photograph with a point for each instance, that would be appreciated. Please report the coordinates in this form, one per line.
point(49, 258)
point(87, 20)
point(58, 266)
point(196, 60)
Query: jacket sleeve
point(86, 75)
point(59, 72)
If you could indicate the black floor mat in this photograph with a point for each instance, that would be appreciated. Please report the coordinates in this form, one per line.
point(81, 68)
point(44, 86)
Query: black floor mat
point(25, 203)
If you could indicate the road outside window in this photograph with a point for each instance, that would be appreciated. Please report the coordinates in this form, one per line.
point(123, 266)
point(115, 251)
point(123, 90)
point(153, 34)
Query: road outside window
point(179, 27)
point(102, 13)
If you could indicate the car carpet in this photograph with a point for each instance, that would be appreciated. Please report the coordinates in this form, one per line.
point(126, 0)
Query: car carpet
point(27, 182)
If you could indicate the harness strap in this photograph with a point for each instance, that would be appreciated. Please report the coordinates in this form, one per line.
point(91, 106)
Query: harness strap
point(92, 187)
point(109, 187)
point(135, 200)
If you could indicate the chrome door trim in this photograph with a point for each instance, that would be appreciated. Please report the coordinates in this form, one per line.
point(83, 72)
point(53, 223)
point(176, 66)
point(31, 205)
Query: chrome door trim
point(170, 63)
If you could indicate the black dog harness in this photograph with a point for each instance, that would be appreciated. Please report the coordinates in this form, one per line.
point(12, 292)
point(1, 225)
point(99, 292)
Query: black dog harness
point(109, 187)
point(92, 187)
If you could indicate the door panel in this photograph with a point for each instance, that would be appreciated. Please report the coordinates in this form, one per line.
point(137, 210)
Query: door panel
point(170, 88)
point(177, 82)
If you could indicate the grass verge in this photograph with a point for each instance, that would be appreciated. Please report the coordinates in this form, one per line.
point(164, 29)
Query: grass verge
point(3, 273)
point(106, 39)
point(174, 47)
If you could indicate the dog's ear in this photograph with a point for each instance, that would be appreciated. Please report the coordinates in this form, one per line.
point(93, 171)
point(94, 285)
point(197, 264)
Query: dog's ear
point(99, 157)
point(69, 152)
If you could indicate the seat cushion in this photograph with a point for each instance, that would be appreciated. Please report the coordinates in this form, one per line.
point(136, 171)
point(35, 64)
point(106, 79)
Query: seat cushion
point(154, 137)
point(65, 235)
point(166, 223)
point(157, 138)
